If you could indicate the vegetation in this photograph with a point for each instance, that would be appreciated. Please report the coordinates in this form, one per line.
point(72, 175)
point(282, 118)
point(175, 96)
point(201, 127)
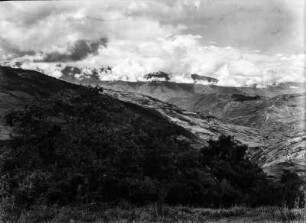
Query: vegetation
point(149, 213)
point(80, 146)
point(241, 98)
point(159, 74)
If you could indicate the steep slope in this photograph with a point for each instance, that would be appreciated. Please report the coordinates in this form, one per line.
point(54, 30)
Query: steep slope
point(84, 145)
point(277, 112)
point(29, 84)
point(271, 127)
point(19, 86)
point(204, 127)
point(280, 119)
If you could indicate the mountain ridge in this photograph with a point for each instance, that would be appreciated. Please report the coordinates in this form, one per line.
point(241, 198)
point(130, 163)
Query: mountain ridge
point(137, 99)
point(271, 152)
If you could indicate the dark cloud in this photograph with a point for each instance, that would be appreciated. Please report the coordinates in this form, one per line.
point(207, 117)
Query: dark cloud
point(13, 50)
point(78, 51)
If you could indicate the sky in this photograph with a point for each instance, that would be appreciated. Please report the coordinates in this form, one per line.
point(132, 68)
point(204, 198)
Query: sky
point(239, 42)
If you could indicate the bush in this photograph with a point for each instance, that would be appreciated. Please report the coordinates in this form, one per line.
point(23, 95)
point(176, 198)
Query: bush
point(242, 98)
point(80, 146)
point(291, 188)
point(240, 181)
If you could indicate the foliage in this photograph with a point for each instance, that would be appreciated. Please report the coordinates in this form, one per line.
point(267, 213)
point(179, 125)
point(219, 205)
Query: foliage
point(241, 98)
point(81, 146)
point(291, 188)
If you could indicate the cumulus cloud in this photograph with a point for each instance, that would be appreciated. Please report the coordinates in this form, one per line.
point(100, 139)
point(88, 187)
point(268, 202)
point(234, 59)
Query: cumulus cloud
point(77, 51)
point(183, 55)
point(147, 36)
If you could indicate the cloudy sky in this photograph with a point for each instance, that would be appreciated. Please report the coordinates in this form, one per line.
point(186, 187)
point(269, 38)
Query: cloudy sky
point(240, 42)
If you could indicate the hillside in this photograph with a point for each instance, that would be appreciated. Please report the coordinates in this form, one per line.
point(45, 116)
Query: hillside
point(34, 84)
point(280, 121)
point(270, 123)
point(76, 145)
point(166, 91)
point(275, 113)
point(18, 87)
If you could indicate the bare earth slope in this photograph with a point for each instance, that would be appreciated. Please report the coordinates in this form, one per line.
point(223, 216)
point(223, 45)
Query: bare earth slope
point(280, 121)
point(204, 127)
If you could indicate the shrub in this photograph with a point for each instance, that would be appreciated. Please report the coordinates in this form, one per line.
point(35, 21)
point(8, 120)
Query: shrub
point(241, 98)
point(80, 146)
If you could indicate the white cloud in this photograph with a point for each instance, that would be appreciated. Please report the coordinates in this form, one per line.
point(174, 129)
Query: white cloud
point(143, 36)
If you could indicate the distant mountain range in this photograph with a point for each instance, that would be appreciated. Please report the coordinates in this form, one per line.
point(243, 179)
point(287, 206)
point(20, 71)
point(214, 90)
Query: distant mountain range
point(102, 75)
point(160, 85)
point(269, 120)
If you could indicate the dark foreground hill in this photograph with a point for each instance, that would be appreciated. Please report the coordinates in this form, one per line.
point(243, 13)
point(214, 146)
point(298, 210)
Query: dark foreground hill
point(83, 145)
point(270, 123)
point(18, 87)
point(277, 112)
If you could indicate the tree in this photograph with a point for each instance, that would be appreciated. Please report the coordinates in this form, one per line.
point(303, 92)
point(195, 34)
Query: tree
point(291, 188)
point(80, 146)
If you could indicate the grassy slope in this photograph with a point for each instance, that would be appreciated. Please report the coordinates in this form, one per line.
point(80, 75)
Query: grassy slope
point(125, 213)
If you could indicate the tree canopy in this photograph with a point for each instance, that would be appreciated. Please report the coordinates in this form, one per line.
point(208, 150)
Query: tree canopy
point(81, 146)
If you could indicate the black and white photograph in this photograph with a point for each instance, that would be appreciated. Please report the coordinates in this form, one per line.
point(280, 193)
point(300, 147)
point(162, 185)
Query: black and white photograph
point(140, 111)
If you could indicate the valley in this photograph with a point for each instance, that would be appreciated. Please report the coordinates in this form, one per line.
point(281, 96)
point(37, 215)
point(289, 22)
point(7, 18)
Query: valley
point(270, 120)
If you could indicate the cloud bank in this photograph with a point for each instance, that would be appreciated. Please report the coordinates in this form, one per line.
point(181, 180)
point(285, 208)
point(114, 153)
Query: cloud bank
point(137, 37)
point(78, 51)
